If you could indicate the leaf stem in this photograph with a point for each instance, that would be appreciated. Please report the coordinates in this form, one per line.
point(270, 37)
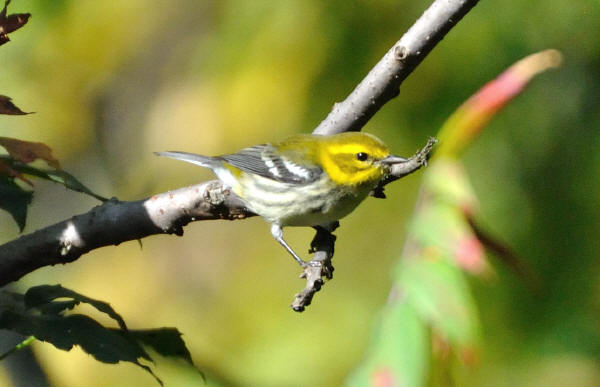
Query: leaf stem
point(21, 345)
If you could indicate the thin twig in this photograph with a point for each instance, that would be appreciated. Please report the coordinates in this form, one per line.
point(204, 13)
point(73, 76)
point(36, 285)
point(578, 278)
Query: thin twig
point(383, 81)
point(323, 243)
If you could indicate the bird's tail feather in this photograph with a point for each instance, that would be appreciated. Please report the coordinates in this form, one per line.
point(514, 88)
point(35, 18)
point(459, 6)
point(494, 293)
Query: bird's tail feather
point(204, 161)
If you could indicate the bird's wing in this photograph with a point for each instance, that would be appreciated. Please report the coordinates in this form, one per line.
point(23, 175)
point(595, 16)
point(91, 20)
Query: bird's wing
point(263, 160)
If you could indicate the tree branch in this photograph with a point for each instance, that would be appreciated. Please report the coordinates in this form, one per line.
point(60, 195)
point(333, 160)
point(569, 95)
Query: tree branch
point(324, 241)
point(115, 222)
point(383, 81)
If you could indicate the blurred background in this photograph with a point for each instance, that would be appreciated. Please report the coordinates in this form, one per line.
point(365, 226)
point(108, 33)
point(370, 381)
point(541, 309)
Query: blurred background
point(111, 83)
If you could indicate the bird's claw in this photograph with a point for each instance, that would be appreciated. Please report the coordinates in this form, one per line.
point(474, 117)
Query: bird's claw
point(324, 267)
point(312, 263)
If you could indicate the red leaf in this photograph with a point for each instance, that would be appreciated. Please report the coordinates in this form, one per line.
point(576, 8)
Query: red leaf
point(11, 22)
point(469, 254)
point(26, 151)
point(383, 378)
point(7, 107)
point(470, 118)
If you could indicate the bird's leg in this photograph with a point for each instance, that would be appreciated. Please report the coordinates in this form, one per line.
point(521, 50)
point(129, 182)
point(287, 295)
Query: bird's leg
point(277, 233)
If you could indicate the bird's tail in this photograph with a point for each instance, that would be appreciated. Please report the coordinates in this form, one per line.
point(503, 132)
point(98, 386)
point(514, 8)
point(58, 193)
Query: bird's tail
point(204, 161)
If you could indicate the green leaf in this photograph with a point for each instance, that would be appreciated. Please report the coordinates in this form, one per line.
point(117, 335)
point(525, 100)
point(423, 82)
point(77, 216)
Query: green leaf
point(55, 175)
point(14, 200)
point(57, 307)
point(165, 341)
point(398, 354)
point(64, 332)
point(40, 296)
point(41, 313)
point(11, 301)
point(61, 177)
point(439, 292)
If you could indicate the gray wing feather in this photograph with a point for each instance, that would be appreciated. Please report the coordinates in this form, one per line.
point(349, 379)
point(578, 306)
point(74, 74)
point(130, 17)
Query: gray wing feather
point(263, 160)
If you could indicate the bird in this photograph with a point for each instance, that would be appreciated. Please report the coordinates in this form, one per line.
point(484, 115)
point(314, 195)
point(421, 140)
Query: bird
point(305, 180)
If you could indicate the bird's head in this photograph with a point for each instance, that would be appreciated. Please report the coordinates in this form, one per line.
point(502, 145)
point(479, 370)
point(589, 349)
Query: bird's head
point(355, 158)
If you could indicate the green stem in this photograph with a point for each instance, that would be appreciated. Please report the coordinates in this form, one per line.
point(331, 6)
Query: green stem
point(17, 347)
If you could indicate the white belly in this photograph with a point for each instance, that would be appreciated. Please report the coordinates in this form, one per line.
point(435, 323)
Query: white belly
point(289, 205)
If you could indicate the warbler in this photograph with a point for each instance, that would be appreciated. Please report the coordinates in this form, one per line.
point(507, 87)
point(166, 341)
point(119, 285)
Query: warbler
point(305, 180)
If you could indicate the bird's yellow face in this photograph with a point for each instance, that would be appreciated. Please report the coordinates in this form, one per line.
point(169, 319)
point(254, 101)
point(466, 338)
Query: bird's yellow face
point(353, 158)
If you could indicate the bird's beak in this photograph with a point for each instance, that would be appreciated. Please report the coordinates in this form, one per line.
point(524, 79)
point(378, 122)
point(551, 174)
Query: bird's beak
point(391, 160)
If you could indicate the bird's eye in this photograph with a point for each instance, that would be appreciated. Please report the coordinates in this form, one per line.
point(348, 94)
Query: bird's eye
point(362, 156)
